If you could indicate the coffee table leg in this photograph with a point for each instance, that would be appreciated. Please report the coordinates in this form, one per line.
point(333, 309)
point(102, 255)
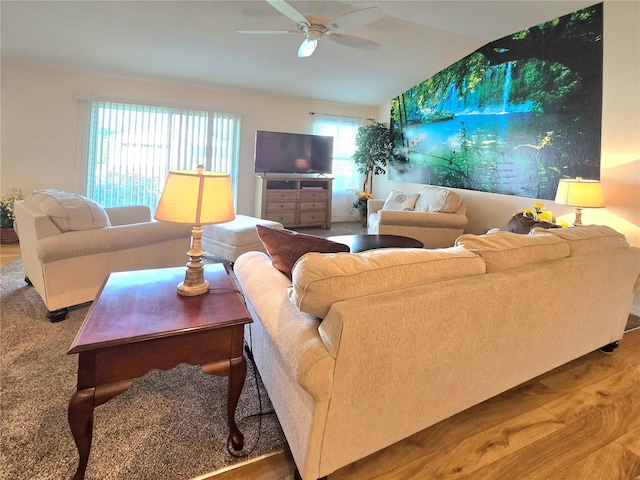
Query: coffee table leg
point(237, 375)
point(80, 416)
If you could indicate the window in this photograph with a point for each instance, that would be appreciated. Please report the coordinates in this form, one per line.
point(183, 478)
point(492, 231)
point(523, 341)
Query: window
point(347, 179)
point(133, 147)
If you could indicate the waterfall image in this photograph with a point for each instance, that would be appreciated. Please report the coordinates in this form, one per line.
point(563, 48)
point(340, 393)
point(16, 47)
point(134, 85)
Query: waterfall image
point(513, 117)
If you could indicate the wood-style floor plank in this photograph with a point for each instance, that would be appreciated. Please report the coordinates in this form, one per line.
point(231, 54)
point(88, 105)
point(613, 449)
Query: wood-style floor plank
point(481, 449)
point(631, 441)
point(594, 396)
point(8, 253)
point(452, 431)
point(612, 462)
point(279, 466)
point(568, 446)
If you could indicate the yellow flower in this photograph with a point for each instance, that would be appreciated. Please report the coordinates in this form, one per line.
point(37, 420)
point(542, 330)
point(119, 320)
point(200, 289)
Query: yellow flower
point(546, 216)
point(540, 214)
point(563, 223)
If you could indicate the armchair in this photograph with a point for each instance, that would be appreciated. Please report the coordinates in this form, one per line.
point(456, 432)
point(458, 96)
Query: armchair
point(69, 244)
point(438, 219)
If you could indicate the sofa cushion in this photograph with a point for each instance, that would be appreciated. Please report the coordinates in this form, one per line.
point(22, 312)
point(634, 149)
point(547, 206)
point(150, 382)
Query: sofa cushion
point(319, 281)
point(399, 201)
point(437, 199)
point(518, 223)
point(506, 250)
point(70, 211)
point(285, 247)
point(588, 239)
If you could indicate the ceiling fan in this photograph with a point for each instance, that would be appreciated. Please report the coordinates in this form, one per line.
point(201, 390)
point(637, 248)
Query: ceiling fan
point(314, 27)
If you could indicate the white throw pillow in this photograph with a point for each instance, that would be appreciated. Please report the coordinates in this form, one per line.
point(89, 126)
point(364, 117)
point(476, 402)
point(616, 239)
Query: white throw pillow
point(70, 211)
point(437, 199)
point(400, 201)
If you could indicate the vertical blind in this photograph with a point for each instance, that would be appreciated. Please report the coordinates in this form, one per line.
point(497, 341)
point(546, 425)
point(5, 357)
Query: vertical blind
point(132, 148)
point(347, 180)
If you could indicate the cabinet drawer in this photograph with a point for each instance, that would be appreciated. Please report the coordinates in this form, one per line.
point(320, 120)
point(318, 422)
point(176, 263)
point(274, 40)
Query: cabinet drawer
point(286, 219)
point(318, 218)
point(311, 195)
point(282, 196)
point(281, 206)
point(313, 206)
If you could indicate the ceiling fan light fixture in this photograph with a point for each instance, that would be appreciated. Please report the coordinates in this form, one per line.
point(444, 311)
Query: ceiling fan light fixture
point(307, 48)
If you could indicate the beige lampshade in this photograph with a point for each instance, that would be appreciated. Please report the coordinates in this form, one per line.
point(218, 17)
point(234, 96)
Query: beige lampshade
point(196, 198)
point(580, 193)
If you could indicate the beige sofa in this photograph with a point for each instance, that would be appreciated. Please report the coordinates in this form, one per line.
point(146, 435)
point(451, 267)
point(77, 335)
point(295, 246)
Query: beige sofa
point(363, 350)
point(434, 215)
point(69, 244)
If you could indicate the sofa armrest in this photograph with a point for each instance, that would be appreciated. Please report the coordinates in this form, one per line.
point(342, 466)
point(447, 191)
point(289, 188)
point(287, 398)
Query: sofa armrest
point(294, 333)
point(128, 215)
point(423, 219)
point(374, 204)
point(108, 239)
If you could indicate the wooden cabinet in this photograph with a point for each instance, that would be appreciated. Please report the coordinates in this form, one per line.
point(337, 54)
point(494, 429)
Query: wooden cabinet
point(294, 201)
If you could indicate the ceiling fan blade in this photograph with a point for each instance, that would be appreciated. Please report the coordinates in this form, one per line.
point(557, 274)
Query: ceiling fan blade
point(266, 32)
point(288, 11)
point(357, 18)
point(307, 48)
point(355, 42)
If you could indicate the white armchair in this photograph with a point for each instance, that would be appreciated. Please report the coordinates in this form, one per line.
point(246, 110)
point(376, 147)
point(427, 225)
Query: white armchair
point(69, 244)
point(438, 218)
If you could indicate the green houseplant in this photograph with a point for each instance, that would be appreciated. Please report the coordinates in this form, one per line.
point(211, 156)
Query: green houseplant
point(374, 149)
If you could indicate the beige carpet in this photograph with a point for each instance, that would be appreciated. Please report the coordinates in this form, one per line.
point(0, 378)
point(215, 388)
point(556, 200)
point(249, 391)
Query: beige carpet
point(168, 425)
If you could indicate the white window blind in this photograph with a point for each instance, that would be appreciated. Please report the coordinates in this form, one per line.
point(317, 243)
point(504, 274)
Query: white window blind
point(347, 180)
point(132, 148)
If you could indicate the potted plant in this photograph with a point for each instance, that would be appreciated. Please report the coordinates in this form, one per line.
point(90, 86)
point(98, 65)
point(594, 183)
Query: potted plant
point(374, 150)
point(361, 204)
point(7, 216)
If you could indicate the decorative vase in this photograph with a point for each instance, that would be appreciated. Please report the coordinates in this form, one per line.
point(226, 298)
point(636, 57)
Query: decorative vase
point(8, 235)
point(363, 214)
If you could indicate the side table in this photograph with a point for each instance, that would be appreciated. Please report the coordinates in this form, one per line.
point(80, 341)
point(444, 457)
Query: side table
point(137, 323)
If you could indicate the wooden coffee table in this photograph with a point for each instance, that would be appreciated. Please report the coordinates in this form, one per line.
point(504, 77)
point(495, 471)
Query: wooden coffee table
point(360, 243)
point(138, 323)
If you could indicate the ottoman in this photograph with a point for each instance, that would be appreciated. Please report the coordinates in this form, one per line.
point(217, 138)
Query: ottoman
point(231, 239)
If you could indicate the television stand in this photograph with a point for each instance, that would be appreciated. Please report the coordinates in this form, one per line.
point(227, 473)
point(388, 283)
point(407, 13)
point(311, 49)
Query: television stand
point(294, 201)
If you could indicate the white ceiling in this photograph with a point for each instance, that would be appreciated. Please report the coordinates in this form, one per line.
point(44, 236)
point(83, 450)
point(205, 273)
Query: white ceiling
point(196, 42)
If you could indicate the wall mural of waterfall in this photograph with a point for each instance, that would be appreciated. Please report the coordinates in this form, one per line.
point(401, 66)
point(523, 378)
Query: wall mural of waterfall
point(513, 117)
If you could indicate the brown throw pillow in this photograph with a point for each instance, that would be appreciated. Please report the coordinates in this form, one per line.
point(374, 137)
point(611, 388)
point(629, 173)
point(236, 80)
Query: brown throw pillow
point(521, 224)
point(285, 247)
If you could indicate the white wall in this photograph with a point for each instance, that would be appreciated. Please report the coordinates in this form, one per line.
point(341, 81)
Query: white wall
point(42, 137)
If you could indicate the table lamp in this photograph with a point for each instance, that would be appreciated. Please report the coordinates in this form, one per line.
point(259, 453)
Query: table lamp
point(195, 198)
point(580, 193)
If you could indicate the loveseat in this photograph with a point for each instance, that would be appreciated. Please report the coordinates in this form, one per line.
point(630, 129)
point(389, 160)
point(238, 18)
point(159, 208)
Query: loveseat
point(434, 215)
point(359, 351)
point(69, 244)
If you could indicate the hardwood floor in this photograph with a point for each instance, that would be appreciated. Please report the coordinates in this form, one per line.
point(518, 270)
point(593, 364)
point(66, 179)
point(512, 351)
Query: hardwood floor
point(8, 252)
point(580, 421)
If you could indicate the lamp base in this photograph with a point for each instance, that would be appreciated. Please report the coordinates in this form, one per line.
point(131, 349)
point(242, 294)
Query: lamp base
point(194, 283)
point(578, 220)
point(192, 291)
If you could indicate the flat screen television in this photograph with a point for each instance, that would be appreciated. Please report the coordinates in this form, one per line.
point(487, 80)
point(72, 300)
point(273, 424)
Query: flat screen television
point(278, 152)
